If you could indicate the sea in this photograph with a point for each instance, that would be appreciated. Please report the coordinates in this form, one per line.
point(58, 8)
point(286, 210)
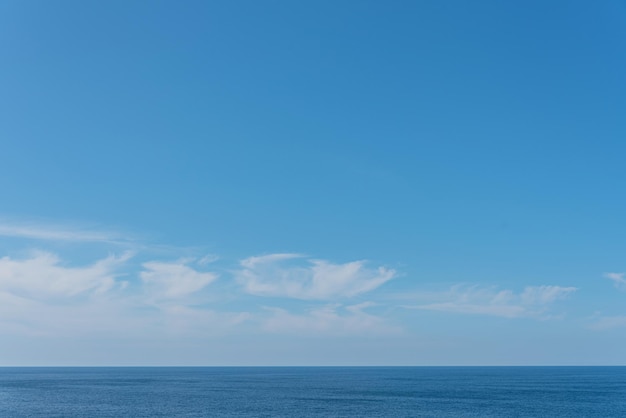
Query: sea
point(313, 392)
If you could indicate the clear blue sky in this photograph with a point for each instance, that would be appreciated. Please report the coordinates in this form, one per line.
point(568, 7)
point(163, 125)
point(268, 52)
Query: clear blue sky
point(322, 182)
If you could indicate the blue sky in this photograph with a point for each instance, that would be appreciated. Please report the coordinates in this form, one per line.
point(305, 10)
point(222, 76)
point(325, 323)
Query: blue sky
point(308, 183)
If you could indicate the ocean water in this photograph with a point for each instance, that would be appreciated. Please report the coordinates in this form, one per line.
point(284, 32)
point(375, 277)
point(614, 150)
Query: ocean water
point(314, 392)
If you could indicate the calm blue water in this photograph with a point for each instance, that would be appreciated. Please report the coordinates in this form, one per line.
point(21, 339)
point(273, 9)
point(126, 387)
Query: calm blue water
point(314, 392)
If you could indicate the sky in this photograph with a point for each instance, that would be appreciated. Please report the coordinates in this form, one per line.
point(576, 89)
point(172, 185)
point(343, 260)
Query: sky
point(312, 183)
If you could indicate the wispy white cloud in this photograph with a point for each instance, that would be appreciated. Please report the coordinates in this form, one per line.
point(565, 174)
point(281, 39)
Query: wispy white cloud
point(331, 319)
point(208, 259)
point(618, 279)
point(55, 232)
point(543, 295)
point(293, 276)
point(173, 280)
point(42, 295)
point(534, 301)
point(43, 276)
point(608, 322)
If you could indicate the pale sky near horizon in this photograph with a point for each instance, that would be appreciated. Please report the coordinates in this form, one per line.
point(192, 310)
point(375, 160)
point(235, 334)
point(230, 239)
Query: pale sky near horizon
point(312, 183)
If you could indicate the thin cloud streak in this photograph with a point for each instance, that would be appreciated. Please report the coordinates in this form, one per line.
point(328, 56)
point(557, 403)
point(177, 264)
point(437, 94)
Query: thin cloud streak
point(44, 232)
point(329, 319)
point(533, 302)
point(608, 322)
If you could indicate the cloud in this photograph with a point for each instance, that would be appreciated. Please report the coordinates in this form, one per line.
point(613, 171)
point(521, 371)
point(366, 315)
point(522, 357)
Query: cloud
point(608, 322)
point(139, 295)
point(543, 295)
point(42, 276)
point(534, 301)
point(618, 279)
point(173, 280)
point(289, 275)
point(41, 296)
point(49, 232)
point(208, 259)
point(332, 319)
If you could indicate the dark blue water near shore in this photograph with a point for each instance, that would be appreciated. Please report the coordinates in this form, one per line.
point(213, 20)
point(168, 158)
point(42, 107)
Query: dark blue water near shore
point(314, 392)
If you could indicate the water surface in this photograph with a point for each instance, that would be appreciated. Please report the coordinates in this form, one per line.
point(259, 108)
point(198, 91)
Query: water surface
point(314, 392)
